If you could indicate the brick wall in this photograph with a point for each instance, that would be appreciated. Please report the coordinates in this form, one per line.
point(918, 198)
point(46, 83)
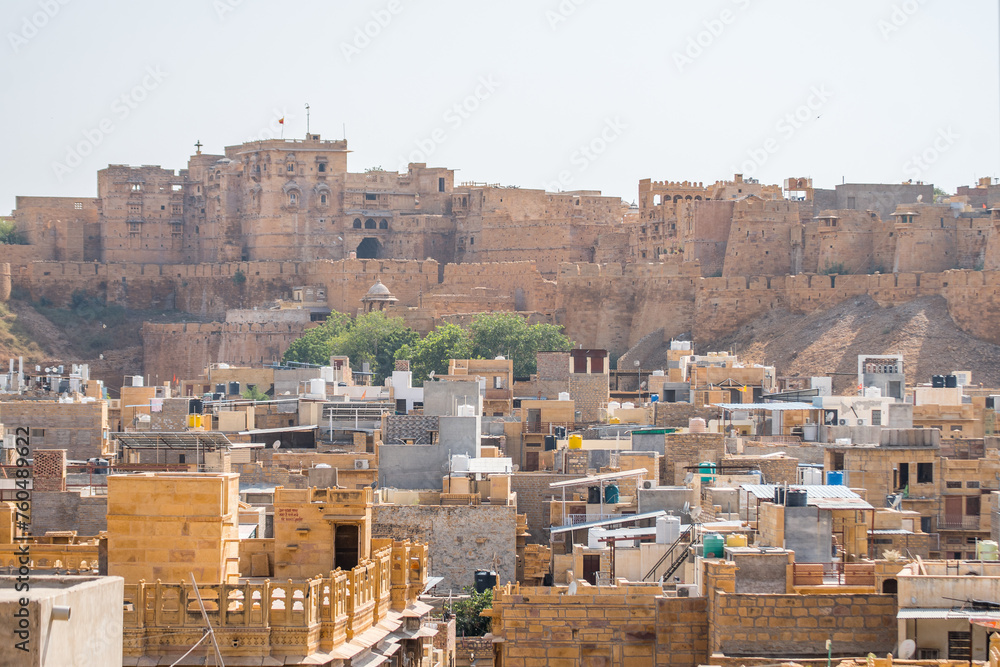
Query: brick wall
point(688, 449)
point(590, 392)
point(49, 470)
point(611, 626)
point(792, 626)
point(68, 510)
point(462, 539)
point(533, 494)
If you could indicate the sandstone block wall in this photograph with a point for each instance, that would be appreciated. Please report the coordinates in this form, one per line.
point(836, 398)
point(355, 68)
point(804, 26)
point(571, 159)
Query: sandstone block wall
point(799, 625)
point(462, 539)
point(533, 494)
point(68, 510)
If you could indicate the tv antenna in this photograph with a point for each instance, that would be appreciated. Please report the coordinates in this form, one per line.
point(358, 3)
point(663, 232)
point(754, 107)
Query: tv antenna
point(307, 120)
point(209, 632)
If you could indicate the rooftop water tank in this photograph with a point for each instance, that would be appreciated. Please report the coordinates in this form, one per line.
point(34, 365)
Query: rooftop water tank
point(668, 529)
point(796, 498)
point(714, 545)
point(736, 540)
point(697, 425)
point(466, 411)
point(576, 441)
point(563, 395)
point(317, 387)
point(628, 406)
point(611, 494)
point(612, 406)
point(835, 478)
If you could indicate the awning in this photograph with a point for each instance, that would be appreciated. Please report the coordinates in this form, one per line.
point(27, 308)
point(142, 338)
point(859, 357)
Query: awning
point(431, 583)
point(604, 477)
point(624, 518)
point(773, 407)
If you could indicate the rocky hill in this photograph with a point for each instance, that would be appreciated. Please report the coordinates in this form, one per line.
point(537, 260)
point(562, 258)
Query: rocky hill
point(828, 342)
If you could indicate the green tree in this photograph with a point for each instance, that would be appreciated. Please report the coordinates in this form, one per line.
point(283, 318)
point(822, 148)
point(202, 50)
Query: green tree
point(316, 345)
point(9, 234)
point(432, 352)
point(252, 393)
point(374, 338)
point(938, 192)
point(468, 622)
point(510, 335)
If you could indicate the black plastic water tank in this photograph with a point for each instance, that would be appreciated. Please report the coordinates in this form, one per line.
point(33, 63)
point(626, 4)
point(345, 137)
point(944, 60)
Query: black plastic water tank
point(593, 495)
point(797, 498)
point(485, 580)
point(937, 381)
point(951, 381)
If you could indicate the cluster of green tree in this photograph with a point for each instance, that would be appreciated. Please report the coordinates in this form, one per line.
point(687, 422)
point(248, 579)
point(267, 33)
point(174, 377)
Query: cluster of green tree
point(9, 234)
point(380, 340)
point(468, 622)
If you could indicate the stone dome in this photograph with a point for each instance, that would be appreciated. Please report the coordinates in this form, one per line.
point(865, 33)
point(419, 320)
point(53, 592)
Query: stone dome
point(378, 289)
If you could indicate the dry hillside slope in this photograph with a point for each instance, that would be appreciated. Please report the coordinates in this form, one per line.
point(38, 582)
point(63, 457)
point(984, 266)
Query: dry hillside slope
point(829, 342)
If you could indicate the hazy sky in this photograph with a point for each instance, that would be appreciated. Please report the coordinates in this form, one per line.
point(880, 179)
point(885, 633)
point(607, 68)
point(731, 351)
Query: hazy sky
point(577, 94)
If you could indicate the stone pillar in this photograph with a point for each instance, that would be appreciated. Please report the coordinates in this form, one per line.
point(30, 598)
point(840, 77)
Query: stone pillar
point(4, 282)
point(49, 472)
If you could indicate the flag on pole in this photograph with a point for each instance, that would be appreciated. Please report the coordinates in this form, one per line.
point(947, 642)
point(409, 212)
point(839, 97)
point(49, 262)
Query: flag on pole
point(281, 121)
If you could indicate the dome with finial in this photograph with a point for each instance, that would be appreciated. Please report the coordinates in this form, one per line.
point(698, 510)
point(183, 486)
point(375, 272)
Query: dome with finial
point(378, 297)
point(378, 289)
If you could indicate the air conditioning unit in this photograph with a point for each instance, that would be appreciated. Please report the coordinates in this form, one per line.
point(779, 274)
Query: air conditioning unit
point(843, 422)
point(861, 422)
point(687, 590)
point(649, 484)
point(361, 464)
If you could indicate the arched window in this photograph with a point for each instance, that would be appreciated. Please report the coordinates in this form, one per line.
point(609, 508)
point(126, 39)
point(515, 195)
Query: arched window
point(293, 198)
point(357, 223)
point(369, 224)
point(322, 199)
point(383, 224)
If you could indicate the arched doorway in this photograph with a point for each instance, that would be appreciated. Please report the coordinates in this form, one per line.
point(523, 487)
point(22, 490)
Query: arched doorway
point(369, 248)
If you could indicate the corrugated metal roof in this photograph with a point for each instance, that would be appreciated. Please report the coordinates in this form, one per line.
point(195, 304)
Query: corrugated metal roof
point(773, 407)
point(814, 490)
point(489, 466)
point(624, 518)
point(824, 496)
point(956, 614)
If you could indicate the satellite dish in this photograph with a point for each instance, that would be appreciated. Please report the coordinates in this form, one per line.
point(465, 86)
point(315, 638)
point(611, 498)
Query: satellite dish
point(431, 376)
point(695, 513)
point(276, 444)
point(572, 588)
point(907, 648)
point(515, 468)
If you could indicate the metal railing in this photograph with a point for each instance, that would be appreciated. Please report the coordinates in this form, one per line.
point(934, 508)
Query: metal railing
point(833, 574)
point(951, 522)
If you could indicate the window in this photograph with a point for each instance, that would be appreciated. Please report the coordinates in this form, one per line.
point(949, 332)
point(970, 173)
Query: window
point(383, 224)
point(440, 185)
point(972, 505)
point(293, 199)
point(322, 199)
point(290, 167)
point(78, 206)
point(972, 485)
point(925, 473)
point(321, 167)
point(369, 224)
point(956, 427)
point(838, 460)
point(181, 458)
point(357, 223)
point(925, 524)
point(953, 485)
point(370, 197)
point(876, 417)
